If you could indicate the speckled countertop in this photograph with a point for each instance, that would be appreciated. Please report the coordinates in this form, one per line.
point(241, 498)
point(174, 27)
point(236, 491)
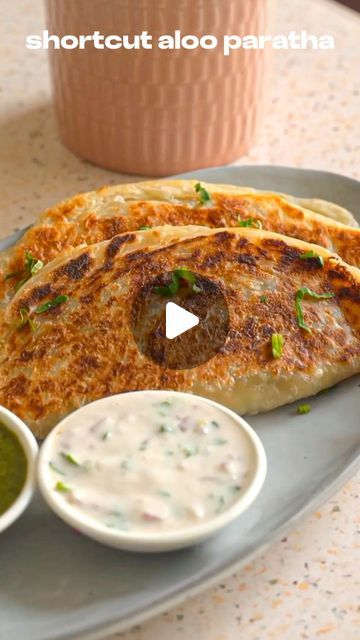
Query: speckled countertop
point(307, 585)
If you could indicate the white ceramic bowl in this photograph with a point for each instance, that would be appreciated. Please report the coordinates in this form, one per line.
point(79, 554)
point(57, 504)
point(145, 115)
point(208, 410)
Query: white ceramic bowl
point(152, 542)
point(30, 447)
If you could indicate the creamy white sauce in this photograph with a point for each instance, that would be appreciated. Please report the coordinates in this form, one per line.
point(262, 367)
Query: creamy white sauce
point(154, 463)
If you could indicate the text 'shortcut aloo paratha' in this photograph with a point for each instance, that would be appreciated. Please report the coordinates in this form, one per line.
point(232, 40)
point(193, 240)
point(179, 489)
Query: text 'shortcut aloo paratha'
point(83, 349)
point(100, 215)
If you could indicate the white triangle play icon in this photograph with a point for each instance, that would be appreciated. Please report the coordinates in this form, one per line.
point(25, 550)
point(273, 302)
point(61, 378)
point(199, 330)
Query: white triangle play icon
point(178, 320)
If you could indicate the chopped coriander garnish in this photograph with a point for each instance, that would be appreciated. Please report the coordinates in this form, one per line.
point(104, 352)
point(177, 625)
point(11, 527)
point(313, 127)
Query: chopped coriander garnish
point(277, 345)
point(303, 408)
point(25, 319)
point(219, 441)
point(299, 310)
point(164, 494)
point(32, 266)
point(249, 222)
point(308, 255)
point(165, 428)
point(221, 504)
point(163, 407)
point(214, 423)
point(56, 469)
point(203, 194)
point(325, 391)
point(179, 274)
point(120, 525)
point(144, 227)
point(62, 487)
point(263, 298)
point(305, 291)
point(236, 487)
point(70, 458)
point(190, 451)
point(24, 313)
point(51, 304)
point(14, 274)
point(20, 284)
point(317, 296)
point(106, 435)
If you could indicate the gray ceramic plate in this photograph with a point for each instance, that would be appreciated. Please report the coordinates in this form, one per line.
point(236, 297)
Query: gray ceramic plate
point(57, 585)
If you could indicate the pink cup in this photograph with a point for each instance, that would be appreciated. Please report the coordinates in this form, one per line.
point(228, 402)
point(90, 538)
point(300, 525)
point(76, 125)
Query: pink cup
point(157, 112)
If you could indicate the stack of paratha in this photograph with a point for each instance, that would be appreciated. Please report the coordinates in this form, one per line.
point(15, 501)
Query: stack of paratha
point(287, 268)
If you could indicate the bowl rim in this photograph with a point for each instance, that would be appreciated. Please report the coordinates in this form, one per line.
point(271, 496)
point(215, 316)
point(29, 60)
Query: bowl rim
point(30, 448)
point(152, 540)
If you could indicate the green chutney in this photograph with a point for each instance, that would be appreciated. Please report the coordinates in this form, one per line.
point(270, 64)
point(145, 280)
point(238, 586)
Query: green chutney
point(13, 467)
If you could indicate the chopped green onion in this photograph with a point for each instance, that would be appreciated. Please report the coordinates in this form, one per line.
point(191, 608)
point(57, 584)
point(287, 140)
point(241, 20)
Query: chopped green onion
point(305, 291)
point(203, 194)
point(308, 255)
point(179, 274)
point(277, 345)
point(144, 227)
point(62, 487)
point(249, 222)
point(303, 408)
point(219, 441)
point(70, 458)
point(105, 435)
point(51, 304)
point(263, 298)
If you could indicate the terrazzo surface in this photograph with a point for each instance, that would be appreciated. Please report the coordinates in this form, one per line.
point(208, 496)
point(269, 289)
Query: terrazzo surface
point(307, 586)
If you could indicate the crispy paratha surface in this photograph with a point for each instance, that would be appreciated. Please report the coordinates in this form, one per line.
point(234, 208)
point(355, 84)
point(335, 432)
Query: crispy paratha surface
point(83, 349)
point(100, 215)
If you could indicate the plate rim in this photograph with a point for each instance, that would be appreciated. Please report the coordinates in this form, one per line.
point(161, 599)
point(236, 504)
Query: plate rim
point(267, 166)
point(276, 167)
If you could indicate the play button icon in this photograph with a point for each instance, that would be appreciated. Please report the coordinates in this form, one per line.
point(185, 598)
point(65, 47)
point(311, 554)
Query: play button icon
point(178, 320)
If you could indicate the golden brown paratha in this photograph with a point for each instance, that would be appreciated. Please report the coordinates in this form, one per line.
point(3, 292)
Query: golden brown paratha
point(83, 349)
point(100, 215)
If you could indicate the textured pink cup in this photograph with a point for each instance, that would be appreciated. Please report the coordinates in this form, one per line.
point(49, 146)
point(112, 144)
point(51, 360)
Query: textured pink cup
point(157, 112)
